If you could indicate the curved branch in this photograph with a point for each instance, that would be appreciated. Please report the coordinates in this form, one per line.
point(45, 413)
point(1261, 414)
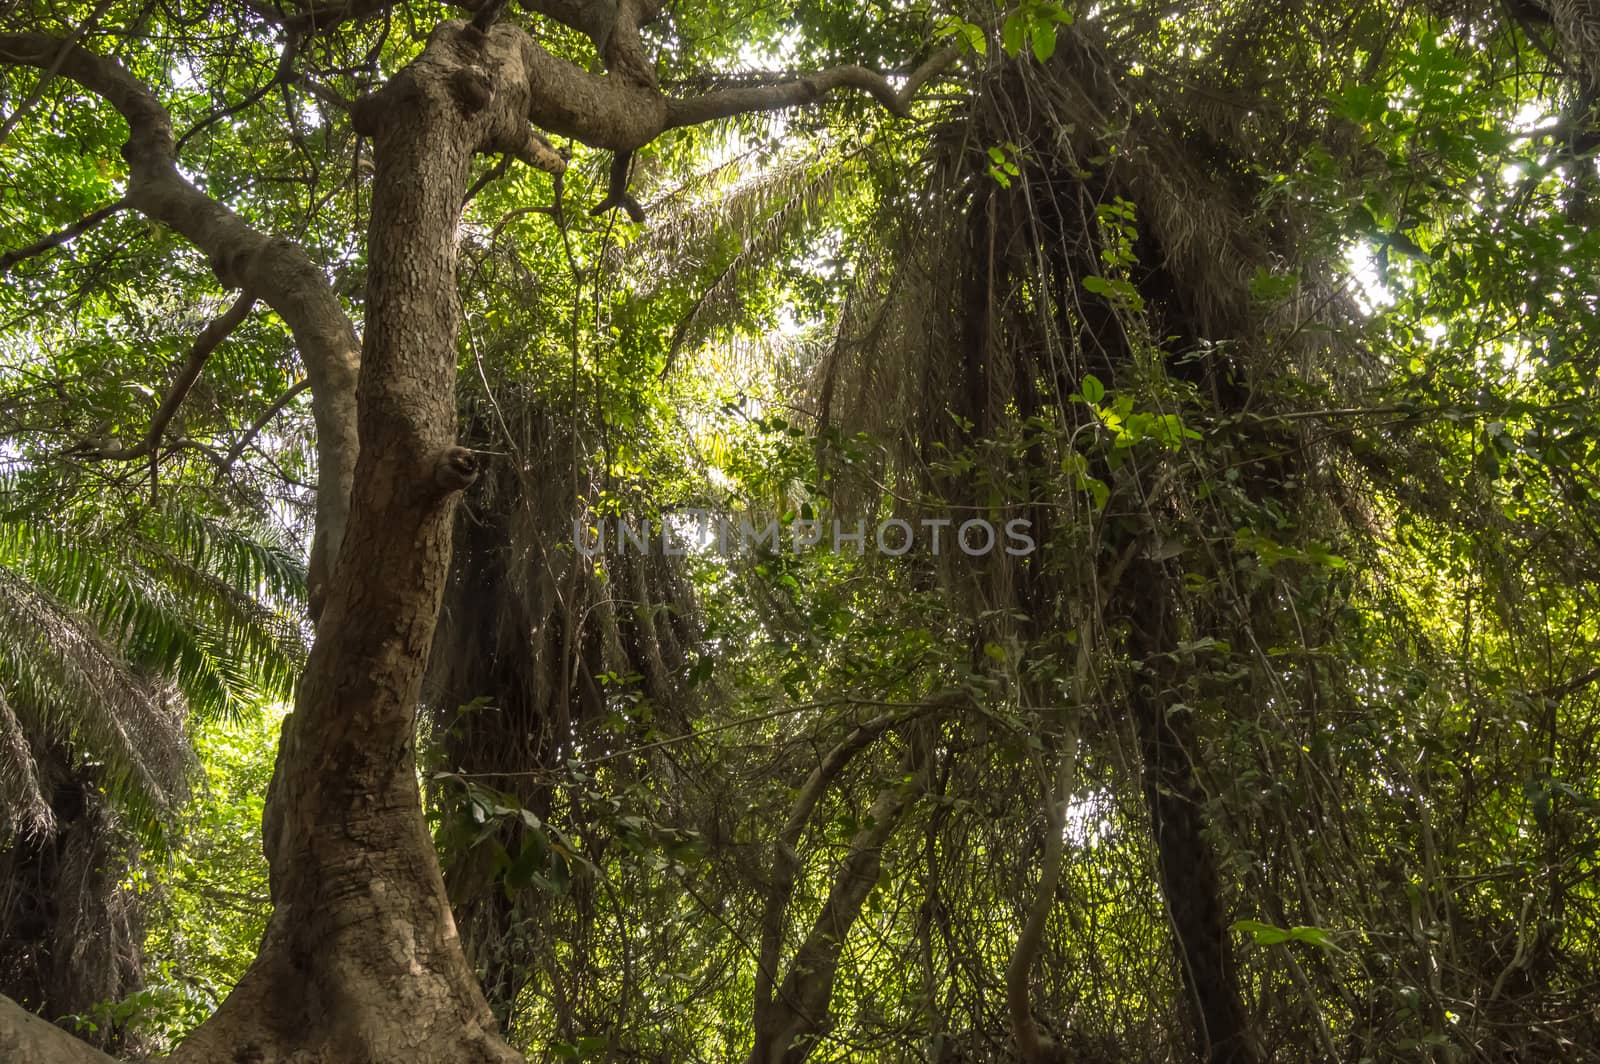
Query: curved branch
point(282, 74)
point(797, 998)
point(49, 73)
point(786, 862)
point(786, 1030)
point(592, 18)
point(1033, 1047)
point(276, 269)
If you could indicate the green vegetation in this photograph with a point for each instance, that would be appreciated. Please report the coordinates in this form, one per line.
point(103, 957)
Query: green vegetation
point(1272, 327)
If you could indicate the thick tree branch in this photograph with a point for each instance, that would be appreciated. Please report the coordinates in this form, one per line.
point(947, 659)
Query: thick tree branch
point(729, 102)
point(321, 92)
point(592, 18)
point(277, 270)
point(623, 109)
point(618, 113)
point(61, 236)
point(624, 52)
point(318, 18)
point(49, 73)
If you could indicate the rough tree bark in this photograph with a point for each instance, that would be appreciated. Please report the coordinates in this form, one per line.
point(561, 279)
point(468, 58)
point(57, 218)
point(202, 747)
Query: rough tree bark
point(25, 1037)
point(361, 961)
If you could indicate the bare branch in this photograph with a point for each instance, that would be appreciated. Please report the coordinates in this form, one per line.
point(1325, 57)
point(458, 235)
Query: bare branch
point(487, 178)
point(283, 74)
point(321, 92)
point(1572, 686)
point(61, 236)
point(800, 1011)
point(617, 194)
point(213, 334)
point(1033, 1046)
point(797, 1000)
point(272, 411)
point(729, 102)
point(786, 862)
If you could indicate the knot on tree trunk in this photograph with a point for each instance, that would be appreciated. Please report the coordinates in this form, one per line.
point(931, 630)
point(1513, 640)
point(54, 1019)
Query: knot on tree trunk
point(471, 89)
point(456, 469)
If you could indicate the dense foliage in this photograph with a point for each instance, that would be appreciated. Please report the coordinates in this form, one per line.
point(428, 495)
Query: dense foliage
point(1274, 325)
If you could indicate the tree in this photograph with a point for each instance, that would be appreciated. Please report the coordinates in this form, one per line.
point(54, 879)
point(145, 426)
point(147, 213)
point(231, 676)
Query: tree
point(361, 960)
point(1272, 320)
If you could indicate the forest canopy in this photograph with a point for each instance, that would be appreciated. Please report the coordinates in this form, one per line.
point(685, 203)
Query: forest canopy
point(811, 531)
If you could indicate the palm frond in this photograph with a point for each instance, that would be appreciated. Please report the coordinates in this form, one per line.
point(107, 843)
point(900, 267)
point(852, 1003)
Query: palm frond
point(23, 806)
point(70, 682)
point(737, 237)
point(117, 630)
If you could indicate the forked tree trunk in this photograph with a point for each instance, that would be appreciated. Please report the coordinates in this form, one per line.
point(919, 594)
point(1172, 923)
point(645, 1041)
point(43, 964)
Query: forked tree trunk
point(361, 960)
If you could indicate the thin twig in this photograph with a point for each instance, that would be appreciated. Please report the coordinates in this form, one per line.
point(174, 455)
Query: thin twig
point(61, 236)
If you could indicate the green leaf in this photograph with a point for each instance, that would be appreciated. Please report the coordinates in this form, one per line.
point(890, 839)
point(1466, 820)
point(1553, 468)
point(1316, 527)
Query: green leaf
point(1043, 39)
point(1264, 934)
point(1011, 34)
point(1098, 491)
point(1314, 936)
point(1269, 935)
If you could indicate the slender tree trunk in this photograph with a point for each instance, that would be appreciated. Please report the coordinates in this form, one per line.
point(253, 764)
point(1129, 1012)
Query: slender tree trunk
point(1186, 865)
point(793, 1016)
point(1033, 1045)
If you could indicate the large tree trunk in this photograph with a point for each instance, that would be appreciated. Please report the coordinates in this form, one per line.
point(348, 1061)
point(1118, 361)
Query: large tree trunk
point(361, 960)
point(26, 1037)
